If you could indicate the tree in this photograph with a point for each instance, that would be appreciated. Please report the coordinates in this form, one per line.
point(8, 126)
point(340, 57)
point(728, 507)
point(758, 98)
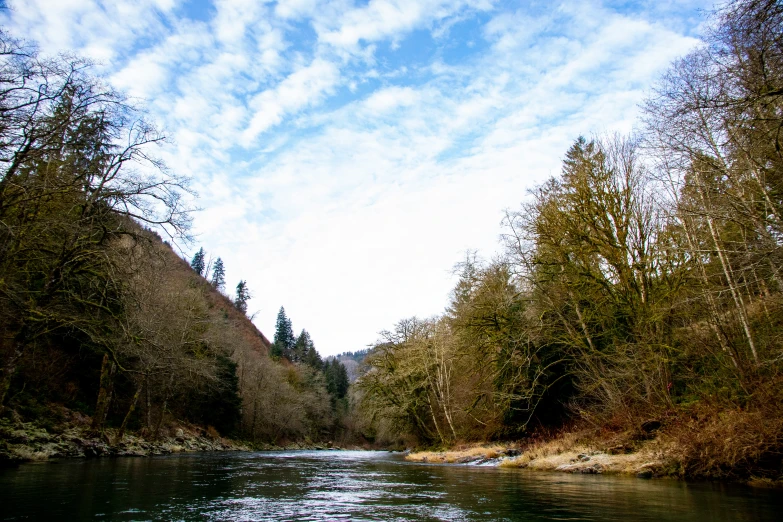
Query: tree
point(302, 346)
point(77, 171)
point(336, 379)
point(242, 297)
point(714, 126)
point(198, 262)
point(218, 275)
point(284, 339)
point(588, 248)
point(312, 358)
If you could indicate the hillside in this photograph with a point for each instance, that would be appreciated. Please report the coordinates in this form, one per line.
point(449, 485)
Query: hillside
point(104, 328)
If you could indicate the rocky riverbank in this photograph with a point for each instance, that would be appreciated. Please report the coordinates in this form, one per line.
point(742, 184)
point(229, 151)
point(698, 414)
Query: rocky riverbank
point(71, 438)
point(28, 441)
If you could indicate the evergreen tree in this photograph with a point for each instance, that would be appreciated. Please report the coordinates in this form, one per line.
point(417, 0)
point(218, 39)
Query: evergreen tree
point(197, 263)
point(336, 379)
point(243, 296)
point(223, 405)
point(218, 275)
point(284, 336)
point(312, 358)
point(302, 346)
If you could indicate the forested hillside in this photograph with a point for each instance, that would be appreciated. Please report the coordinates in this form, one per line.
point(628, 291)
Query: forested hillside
point(99, 316)
point(640, 288)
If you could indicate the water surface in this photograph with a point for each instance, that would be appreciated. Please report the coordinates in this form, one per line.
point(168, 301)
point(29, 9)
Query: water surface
point(353, 485)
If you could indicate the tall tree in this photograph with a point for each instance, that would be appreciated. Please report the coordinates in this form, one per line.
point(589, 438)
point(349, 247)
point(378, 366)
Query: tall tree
point(284, 339)
point(302, 346)
point(336, 379)
point(312, 358)
point(198, 263)
point(242, 297)
point(218, 275)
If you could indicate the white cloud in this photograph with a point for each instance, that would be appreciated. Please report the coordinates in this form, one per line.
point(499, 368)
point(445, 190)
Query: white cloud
point(381, 19)
point(303, 88)
point(339, 179)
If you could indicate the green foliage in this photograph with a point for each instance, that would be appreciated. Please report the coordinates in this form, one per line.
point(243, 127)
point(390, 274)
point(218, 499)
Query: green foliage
point(313, 359)
point(198, 263)
point(242, 297)
point(284, 340)
point(302, 347)
point(218, 275)
point(336, 379)
point(222, 405)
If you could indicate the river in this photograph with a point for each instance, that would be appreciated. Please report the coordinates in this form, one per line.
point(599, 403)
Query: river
point(353, 485)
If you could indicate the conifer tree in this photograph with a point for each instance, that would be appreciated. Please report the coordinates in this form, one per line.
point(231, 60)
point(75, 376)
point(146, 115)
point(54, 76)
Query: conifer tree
point(284, 336)
point(218, 275)
point(302, 346)
point(243, 296)
point(312, 358)
point(336, 378)
point(197, 263)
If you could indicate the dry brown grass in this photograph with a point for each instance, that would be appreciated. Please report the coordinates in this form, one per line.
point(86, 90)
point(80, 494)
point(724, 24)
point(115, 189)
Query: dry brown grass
point(574, 452)
point(555, 451)
point(734, 444)
point(462, 453)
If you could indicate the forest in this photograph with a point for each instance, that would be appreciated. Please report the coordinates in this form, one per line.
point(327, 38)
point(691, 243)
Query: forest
point(639, 290)
point(100, 316)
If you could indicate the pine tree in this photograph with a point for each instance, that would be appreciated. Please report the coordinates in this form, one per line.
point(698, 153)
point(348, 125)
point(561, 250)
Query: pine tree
point(312, 358)
point(218, 275)
point(243, 296)
point(284, 336)
point(336, 379)
point(302, 346)
point(197, 263)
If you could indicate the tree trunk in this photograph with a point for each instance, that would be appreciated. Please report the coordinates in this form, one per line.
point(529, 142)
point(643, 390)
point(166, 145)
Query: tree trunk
point(163, 408)
point(715, 318)
point(147, 396)
point(735, 293)
point(8, 373)
point(108, 368)
point(124, 424)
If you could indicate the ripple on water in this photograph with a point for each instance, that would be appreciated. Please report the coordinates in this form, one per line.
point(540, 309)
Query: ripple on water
point(319, 486)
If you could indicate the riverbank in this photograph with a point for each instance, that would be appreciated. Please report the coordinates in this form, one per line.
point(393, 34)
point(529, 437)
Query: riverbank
point(28, 441)
point(72, 438)
point(579, 452)
point(569, 453)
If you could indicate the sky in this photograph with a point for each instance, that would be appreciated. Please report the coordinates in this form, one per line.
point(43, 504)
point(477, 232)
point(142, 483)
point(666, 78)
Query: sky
point(347, 153)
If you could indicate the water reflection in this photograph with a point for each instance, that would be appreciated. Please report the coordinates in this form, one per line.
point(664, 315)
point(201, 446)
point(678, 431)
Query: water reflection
point(352, 486)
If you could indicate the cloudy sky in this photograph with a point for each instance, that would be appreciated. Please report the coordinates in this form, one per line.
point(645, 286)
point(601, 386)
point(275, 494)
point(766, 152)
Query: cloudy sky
point(347, 153)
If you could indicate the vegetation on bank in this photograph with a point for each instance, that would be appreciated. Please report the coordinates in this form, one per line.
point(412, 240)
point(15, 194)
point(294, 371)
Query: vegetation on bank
point(99, 315)
point(642, 286)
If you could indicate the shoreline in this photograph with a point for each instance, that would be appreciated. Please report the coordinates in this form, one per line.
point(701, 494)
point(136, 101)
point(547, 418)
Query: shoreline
point(585, 461)
point(570, 453)
point(579, 452)
point(22, 442)
point(26, 442)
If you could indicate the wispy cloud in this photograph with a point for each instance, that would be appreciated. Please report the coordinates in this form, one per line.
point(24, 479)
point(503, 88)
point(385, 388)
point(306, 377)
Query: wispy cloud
point(348, 152)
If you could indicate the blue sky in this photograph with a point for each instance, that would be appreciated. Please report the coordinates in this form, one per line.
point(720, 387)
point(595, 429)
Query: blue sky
point(347, 153)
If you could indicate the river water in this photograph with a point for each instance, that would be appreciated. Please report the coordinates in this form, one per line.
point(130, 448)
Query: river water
point(353, 485)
